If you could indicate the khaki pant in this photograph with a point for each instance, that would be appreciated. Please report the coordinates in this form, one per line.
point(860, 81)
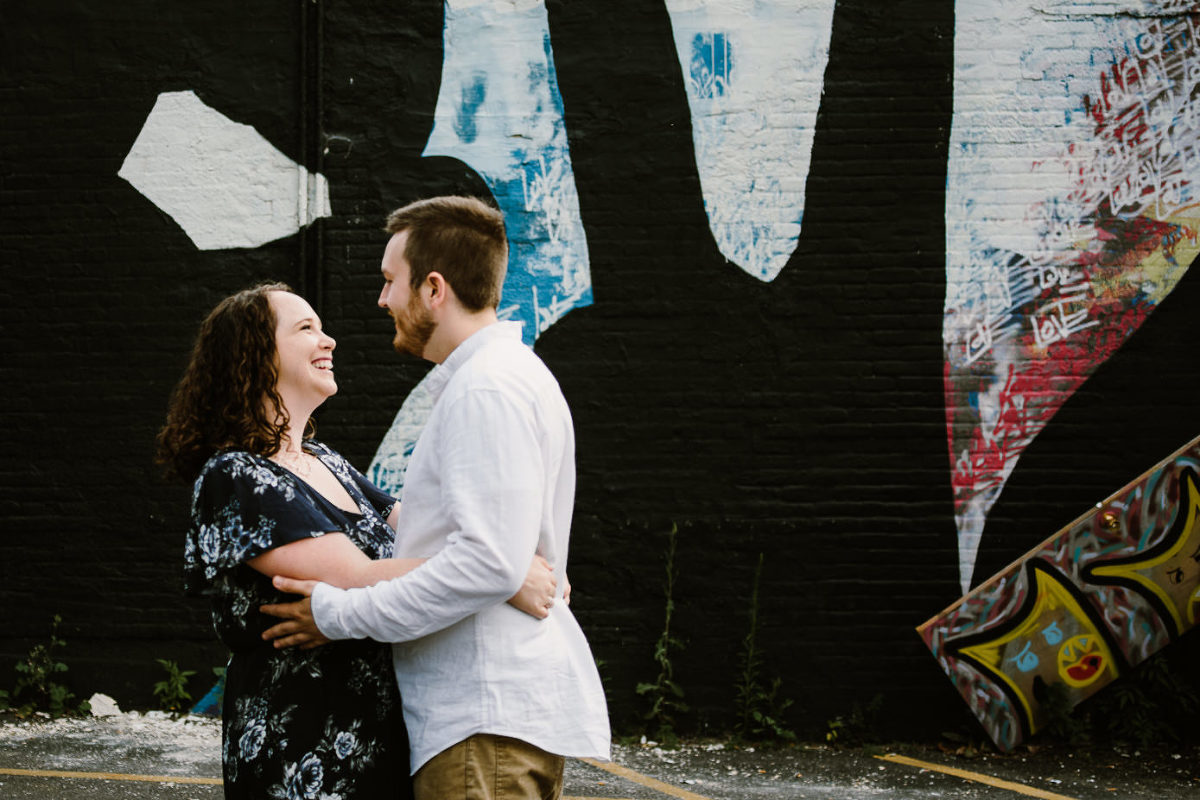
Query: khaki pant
point(487, 767)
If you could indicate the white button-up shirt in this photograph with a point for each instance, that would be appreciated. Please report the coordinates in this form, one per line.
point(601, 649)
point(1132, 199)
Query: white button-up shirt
point(491, 482)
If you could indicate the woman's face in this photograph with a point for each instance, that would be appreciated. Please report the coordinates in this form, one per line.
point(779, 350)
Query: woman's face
point(303, 352)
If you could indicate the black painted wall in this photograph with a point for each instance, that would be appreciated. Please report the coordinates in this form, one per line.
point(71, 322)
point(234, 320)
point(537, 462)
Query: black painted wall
point(802, 419)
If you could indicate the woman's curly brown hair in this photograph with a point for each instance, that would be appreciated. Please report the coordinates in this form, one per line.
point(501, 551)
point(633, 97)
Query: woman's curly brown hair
point(226, 398)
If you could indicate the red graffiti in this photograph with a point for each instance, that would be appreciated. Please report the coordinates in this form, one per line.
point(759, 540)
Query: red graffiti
point(1086, 667)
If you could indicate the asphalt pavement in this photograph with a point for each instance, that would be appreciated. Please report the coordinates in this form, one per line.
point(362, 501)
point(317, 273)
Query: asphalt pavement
point(134, 755)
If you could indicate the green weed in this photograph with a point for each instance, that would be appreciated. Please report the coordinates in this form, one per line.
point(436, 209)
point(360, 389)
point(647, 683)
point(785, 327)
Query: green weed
point(1150, 706)
point(172, 692)
point(858, 727)
point(760, 708)
point(664, 694)
point(37, 688)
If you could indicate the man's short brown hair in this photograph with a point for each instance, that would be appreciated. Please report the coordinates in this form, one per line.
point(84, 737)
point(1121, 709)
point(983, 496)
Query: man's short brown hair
point(462, 238)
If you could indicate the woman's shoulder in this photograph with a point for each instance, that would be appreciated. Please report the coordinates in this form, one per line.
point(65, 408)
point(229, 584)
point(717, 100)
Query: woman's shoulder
point(226, 458)
point(245, 474)
point(232, 463)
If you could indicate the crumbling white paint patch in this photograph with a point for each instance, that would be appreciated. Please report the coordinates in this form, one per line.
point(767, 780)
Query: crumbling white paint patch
point(220, 180)
point(391, 458)
point(500, 112)
point(754, 72)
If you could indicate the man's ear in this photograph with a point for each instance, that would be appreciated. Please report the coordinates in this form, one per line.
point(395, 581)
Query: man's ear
point(439, 289)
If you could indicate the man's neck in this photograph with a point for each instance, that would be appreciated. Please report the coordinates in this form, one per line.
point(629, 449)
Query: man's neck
point(454, 330)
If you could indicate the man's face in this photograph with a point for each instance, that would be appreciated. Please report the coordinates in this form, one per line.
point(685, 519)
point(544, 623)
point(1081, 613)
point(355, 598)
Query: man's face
point(414, 324)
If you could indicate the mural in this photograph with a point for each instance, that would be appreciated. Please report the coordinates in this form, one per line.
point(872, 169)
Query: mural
point(499, 111)
point(221, 181)
point(1098, 597)
point(754, 73)
point(1068, 214)
point(1071, 212)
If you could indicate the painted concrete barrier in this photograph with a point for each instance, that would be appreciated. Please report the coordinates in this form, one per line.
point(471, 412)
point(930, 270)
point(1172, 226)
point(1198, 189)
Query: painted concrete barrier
point(1103, 594)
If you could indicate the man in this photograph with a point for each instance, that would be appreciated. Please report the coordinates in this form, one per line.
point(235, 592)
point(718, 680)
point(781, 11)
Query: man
point(493, 698)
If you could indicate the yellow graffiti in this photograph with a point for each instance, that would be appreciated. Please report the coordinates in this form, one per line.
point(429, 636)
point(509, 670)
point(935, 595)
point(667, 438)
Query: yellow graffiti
point(1174, 575)
point(1164, 267)
point(1029, 650)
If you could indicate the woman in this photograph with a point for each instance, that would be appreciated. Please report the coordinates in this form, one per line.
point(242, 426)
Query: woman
point(296, 723)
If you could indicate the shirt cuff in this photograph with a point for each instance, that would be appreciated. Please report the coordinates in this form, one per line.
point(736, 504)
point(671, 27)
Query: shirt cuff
point(325, 606)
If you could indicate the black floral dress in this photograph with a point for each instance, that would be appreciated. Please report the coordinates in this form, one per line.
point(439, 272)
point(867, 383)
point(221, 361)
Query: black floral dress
point(320, 724)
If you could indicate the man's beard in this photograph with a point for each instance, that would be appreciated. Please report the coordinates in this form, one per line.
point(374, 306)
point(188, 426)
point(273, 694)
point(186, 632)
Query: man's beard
point(414, 327)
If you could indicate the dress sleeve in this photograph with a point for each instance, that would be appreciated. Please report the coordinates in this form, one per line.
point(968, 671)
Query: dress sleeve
point(240, 509)
point(381, 500)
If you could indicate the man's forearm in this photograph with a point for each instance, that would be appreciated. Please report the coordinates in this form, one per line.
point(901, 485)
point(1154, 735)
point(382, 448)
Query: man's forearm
point(420, 603)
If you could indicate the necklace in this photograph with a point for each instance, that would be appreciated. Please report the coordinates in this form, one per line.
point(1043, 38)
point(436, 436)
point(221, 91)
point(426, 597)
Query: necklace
point(298, 462)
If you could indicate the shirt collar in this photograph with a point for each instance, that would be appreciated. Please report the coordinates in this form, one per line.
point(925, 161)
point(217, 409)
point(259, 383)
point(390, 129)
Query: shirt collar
point(440, 375)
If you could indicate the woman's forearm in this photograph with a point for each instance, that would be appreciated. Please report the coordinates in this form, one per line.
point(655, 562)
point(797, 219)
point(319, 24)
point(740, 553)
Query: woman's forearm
point(333, 559)
point(372, 572)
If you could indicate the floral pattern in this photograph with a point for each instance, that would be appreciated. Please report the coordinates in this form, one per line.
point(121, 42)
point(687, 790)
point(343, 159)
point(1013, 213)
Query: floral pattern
point(321, 724)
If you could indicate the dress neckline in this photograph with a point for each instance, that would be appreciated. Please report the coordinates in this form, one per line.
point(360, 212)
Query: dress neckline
point(312, 490)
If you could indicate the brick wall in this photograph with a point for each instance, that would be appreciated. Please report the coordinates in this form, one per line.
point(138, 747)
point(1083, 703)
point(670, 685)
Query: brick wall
point(802, 418)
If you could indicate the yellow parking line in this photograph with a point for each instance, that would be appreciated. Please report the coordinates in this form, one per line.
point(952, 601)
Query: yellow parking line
point(109, 776)
point(116, 776)
point(976, 776)
point(644, 780)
